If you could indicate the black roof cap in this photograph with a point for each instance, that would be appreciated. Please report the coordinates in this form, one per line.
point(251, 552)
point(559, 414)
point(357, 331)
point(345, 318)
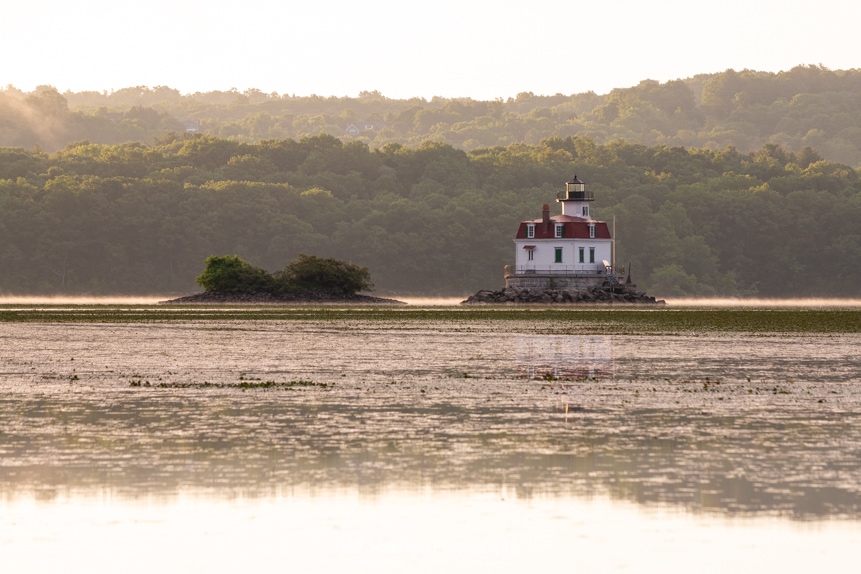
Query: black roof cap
point(576, 180)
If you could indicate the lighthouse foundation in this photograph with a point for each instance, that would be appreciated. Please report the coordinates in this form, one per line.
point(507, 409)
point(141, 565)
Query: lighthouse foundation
point(568, 281)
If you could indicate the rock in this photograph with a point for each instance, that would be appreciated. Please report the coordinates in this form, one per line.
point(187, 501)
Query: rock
point(607, 294)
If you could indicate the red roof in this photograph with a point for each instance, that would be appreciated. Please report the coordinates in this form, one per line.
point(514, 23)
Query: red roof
point(575, 228)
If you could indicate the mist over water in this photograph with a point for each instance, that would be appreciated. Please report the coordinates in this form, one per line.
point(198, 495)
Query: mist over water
point(155, 299)
point(437, 301)
point(737, 302)
point(82, 300)
point(430, 301)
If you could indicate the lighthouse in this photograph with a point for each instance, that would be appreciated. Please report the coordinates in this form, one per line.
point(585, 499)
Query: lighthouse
point(566, 251)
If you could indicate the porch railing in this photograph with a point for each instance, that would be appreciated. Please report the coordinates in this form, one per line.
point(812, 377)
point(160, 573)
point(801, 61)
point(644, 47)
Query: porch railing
point(573, 270)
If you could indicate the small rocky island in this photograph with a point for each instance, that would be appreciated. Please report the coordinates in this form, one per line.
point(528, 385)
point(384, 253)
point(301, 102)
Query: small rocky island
point(566, 258)
point(262, 298)
point(310, 279)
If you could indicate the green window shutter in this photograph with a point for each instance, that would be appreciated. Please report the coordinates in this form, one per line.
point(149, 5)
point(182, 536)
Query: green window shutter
point(558, 255)
point(582, 256)
point(591, 255)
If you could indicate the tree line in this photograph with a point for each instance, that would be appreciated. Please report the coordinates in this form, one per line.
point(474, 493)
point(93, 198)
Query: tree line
point(807, 106)
point(432, 220)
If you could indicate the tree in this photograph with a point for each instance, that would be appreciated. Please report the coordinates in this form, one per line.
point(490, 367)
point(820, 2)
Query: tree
point(672, 281)
point(312, 272)
point(233, 275)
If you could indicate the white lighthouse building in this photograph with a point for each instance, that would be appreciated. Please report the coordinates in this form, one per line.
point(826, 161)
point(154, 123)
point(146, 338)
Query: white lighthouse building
point(567, 251)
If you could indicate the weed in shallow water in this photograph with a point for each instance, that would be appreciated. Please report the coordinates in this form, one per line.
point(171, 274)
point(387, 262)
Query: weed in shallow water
point(244, 385)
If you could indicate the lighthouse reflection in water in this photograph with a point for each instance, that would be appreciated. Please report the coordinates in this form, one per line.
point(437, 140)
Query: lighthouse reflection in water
point(564, 356)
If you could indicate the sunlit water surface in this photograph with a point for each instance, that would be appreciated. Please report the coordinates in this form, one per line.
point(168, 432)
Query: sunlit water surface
point(423, 446)
point(406, 532)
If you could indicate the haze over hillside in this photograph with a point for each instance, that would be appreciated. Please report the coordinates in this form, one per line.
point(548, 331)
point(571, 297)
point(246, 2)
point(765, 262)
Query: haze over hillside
point(738, 183)
point(135, 219)
point(807, 106)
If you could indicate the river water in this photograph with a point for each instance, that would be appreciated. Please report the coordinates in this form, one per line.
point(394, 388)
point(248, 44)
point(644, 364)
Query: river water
point(421, 445)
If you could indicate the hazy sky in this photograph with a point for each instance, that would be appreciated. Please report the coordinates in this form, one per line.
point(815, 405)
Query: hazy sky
point(477, 48)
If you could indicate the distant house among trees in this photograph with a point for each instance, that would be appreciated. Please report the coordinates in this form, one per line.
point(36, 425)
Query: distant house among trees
point(191, 126)
point(367, 126)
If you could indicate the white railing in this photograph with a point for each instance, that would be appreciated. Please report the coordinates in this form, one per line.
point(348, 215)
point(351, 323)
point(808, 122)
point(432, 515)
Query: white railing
point(574, 270)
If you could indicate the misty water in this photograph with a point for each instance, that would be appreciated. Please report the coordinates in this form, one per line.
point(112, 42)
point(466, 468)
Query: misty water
point(425, 444)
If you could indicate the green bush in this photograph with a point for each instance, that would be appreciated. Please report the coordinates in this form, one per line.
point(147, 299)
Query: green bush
point(310, 272)
point(233, 275)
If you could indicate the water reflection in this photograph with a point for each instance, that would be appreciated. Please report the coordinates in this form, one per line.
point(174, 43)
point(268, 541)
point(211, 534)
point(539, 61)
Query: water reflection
point(564, 356)
point(738, 426)
point(228, 446)
point(405, 532)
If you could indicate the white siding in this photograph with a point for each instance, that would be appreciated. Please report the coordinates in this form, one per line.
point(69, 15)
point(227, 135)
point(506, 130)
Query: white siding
point(575, 208)
point(545, 253)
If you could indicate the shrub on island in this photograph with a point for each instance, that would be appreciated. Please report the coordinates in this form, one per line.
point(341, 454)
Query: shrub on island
point(312, 273)
point(230, 274)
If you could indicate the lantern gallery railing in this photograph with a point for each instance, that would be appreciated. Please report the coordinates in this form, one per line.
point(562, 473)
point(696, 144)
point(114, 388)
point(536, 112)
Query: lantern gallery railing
point(575, 195)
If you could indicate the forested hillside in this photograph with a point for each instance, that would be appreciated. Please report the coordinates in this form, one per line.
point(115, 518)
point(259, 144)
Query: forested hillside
point(806, 106)
point(432, 219)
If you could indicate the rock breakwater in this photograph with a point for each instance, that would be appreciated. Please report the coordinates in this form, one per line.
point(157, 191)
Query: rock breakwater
point(614, 294)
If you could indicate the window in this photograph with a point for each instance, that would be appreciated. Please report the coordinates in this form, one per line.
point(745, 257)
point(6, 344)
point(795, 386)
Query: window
point(530, 231)
point(582, 254)
point(591, 231)
point(591, 255)
point(530, 255)
point(558, 255)
point(585, 211)
point(560, 229)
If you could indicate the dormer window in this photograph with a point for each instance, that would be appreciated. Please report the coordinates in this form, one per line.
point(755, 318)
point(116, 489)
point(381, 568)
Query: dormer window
point(560, 230)
point(591, 231)
point(585, 211)
point(530, 231)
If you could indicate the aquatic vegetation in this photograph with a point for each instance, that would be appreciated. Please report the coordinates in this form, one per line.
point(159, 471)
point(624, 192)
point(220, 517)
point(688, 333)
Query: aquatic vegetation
point(244, 385)
point(647, 405)
point(603, 320)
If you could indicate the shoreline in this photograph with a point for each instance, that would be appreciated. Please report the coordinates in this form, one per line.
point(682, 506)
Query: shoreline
point(262, 298)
